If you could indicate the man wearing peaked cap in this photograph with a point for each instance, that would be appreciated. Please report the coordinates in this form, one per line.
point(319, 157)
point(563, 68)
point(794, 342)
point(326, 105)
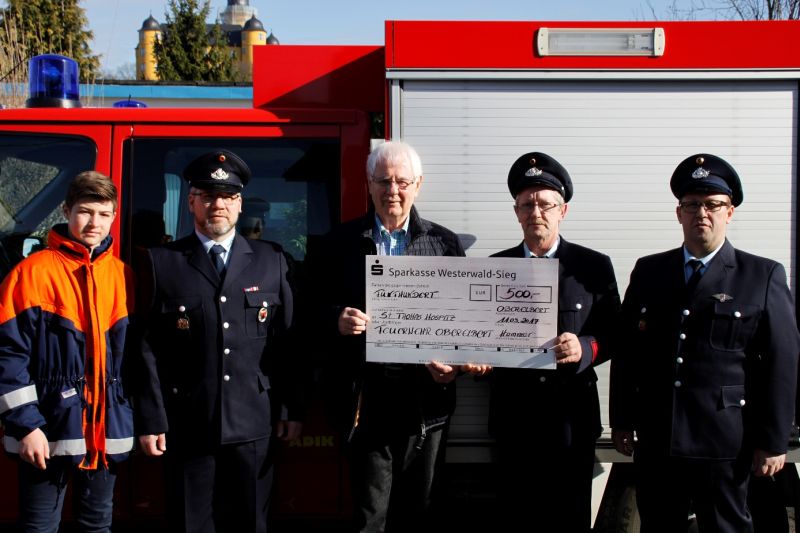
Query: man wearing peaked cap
point(220, 170)
point(546, 454)
point(706, 173)
point(536, 168)
point(216, 359)
point(705, 374)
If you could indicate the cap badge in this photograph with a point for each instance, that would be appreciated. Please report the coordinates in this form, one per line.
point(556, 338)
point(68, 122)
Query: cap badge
point(533, 171)
point(219, 174)
point(700, 173)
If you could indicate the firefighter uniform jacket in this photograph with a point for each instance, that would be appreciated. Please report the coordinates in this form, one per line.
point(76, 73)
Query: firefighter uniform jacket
point(60, 309)
point(710, 374)
point(588, 306)
point(212, 348)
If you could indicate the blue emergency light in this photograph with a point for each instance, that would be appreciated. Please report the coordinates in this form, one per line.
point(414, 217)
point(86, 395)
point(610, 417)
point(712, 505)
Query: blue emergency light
point(53, 82)
point(129, 103)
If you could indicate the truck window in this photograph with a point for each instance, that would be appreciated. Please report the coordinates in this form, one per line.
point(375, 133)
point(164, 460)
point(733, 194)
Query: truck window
point(293, 194)
point(34, 173)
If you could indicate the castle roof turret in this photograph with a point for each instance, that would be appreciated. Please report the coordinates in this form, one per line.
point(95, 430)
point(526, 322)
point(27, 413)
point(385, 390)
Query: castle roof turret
point(150, 24)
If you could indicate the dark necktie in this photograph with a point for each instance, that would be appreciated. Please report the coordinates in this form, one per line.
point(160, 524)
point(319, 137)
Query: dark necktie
point(694, 279)
point(216, 258)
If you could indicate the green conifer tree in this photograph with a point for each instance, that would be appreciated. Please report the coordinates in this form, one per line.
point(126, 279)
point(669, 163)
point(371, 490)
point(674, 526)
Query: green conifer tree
point(187, 50)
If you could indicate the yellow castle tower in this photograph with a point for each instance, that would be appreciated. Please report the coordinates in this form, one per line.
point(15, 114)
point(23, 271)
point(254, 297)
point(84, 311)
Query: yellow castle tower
point(145, 56)
point(240, 27)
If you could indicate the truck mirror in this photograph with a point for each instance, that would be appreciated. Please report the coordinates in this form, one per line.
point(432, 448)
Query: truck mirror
point(30, 245)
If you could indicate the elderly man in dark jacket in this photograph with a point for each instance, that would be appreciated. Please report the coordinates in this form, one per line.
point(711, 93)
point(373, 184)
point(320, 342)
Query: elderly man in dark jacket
point(547, 421)
point(396, 413)
point(707, 367)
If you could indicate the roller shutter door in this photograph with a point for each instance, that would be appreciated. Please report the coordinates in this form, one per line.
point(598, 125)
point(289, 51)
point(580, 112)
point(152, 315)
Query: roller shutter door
point(620, 141)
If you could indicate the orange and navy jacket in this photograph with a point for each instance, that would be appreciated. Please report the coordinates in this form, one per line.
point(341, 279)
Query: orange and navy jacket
point(63, 320)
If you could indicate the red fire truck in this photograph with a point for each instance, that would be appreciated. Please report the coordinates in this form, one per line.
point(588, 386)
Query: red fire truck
point(618, 103)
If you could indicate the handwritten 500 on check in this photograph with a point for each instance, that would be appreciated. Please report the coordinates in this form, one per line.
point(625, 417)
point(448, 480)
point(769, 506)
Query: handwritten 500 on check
point(456, 310)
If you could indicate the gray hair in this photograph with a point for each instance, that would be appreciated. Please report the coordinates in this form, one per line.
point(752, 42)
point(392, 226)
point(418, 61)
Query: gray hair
point(394, 152)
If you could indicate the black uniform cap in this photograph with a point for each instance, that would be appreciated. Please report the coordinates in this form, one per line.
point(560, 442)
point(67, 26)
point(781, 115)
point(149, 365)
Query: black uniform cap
point(536, 168)
point(708, 174)
point(220, 170)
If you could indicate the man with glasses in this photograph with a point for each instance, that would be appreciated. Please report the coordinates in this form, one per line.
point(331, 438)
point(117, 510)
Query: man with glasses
point(395, 415)
point(214, 358)
point(546, 422)
point(706, 370)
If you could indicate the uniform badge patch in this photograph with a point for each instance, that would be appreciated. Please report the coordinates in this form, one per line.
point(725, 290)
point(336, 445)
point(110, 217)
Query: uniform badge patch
point(69, 393)
point(722, 297)
point(183, 323)
point(700, 173)
point(262, 314)
point(642, 325)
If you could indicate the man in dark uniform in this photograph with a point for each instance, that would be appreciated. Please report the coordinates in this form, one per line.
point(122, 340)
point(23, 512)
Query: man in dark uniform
point(706, 370)
point(546, 422)
point(214, 359)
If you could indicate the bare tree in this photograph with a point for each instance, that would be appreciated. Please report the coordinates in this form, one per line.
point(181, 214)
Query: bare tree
point(728, 10)
point(126, 71)
point(13, 65)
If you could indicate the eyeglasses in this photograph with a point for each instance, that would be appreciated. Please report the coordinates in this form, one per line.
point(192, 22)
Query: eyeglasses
point(712, 206)
point(386, 182)
point(528, 207)
point(211, 198)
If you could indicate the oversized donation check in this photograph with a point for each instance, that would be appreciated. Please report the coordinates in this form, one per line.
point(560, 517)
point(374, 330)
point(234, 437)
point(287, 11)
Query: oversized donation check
point(500, 311)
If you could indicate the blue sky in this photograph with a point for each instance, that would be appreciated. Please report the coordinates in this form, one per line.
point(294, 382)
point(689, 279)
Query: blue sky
point(115, 22)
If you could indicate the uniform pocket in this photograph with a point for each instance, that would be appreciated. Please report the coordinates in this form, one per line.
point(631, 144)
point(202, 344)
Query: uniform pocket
point(63, 411)
point(259, 310)
point(182, 315)
point(573, 315)
point(119, 419)
point(733, 325)
point(731, 396)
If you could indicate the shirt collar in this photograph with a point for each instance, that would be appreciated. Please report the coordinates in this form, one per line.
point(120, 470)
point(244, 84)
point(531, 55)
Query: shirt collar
point(705, 260)
point(380, 228)
point(208, 243)
point(549, 254)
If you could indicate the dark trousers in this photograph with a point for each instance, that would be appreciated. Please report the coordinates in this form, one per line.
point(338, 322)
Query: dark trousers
point(669, 488)
point(766, 499)
point(392, 479)
point(225, 489)
point(544, 488)
point(41, 496)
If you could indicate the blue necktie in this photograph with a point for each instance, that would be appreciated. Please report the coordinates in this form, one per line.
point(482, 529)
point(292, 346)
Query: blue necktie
point(694, 279)
point(216, 258)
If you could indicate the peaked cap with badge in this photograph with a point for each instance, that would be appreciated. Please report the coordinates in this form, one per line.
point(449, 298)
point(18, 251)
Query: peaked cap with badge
point(536, 168)
point(709, 174)
point(220, 170)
